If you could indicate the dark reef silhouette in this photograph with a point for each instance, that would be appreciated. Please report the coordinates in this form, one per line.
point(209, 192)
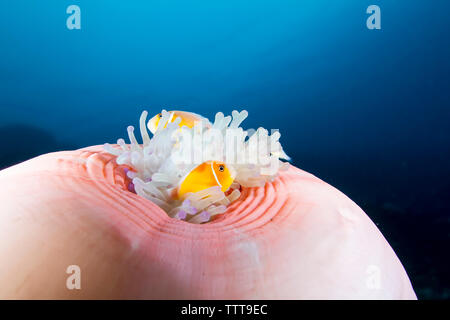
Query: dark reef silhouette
point(22, 142)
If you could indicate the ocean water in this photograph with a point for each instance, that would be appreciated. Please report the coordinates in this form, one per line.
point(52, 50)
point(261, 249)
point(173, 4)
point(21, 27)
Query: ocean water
point(366, 110)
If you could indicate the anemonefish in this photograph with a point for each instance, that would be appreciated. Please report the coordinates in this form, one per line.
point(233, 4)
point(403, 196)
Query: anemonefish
point(206, 175)
point(187, 119)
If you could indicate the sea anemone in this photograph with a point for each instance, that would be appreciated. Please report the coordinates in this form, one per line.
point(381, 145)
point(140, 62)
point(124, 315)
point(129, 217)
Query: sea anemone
point(295, 238)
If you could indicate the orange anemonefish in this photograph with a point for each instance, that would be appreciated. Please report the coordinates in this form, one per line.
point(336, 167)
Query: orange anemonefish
point(206, 175)
point(187, 119)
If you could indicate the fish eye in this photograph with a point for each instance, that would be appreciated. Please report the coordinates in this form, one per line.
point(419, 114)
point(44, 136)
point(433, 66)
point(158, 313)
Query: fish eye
point(160, 115)
point(221, 168)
